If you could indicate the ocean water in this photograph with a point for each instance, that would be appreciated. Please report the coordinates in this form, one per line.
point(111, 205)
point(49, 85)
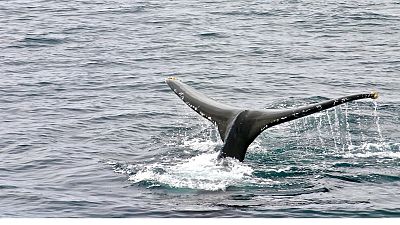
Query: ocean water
point(88, 127)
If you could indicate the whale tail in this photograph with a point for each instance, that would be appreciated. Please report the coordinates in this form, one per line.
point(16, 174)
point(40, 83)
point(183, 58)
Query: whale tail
point(239, 127)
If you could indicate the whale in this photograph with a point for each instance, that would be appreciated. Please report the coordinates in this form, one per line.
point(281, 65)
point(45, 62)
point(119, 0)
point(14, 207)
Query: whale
point(239, 127)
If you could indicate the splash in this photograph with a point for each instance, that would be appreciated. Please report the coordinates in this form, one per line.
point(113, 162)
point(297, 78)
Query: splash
point(391, 155)
point(200, 172)
point(349, 141)
point(331, 129)
point(381, 140)
point(199, 168)
point(375, 150)
point(199, 144)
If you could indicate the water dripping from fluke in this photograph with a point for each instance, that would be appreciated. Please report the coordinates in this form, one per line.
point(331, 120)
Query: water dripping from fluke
point(377, 118)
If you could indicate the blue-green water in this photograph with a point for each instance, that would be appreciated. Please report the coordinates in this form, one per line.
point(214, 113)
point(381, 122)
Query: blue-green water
point(90, 129)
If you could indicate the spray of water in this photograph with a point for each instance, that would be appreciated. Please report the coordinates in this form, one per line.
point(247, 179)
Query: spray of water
point(381, 140)
point(202, 170)
point(331, 130)
point(349, 142)
point(340, 132)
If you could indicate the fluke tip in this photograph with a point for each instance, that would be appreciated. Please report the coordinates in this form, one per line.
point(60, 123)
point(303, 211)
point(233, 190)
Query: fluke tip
point(374, 94)
point(171, 78)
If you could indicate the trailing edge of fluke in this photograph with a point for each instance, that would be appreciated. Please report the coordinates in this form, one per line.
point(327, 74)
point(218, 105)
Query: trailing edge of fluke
point(239, 127)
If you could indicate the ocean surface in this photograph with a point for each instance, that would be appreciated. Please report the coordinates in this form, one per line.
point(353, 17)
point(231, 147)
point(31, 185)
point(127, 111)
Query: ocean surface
point(88, 127)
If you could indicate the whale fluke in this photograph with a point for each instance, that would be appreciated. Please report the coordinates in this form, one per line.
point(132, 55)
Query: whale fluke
point(218, 113)
point(239, 127)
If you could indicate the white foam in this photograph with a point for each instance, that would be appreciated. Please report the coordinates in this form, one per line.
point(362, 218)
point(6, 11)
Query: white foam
point(200, 145)
point(376, 146)
point(386, 154)
point(377, 150)
point(200, 172)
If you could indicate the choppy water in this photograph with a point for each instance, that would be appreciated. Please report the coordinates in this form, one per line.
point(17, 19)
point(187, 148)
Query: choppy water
point(90, 129)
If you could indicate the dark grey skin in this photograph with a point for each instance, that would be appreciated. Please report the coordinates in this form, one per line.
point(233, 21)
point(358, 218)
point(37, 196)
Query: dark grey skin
point(239, 127)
